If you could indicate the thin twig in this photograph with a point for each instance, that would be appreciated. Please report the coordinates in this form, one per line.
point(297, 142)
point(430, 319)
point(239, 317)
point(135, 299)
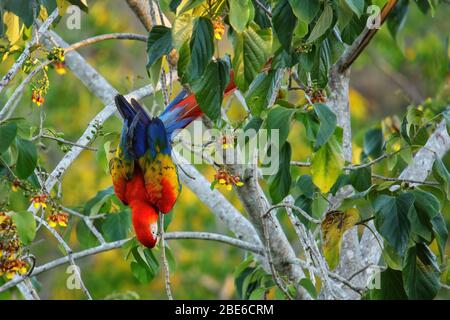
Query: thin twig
point(68, 252)
point(88, 222)
point(358, 46)
point(10, 105)
point(70, 143)
point(298, 209)
point(165, 263)
point(263, 8)
point(103, 37)
point(428, 183)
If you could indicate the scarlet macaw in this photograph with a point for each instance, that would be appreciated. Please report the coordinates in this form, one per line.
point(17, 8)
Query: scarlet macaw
point(143, 172)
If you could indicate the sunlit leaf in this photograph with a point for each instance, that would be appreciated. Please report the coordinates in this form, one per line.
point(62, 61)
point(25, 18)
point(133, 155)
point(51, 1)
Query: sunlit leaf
point(327, 164)
point(333, 229)
point(241, 12)
point(250, 55)
point(182, 30)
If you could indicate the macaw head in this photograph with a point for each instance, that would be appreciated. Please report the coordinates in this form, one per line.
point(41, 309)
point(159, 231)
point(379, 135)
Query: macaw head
point(145, 223)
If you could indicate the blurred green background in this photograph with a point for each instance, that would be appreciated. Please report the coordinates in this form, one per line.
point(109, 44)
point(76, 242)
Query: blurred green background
point(387, 78)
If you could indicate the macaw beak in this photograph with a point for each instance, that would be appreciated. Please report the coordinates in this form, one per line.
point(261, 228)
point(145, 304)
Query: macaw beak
point(154, 231)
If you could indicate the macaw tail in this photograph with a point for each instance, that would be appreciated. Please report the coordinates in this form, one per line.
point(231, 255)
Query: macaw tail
point(133, 140)
point(184, 109)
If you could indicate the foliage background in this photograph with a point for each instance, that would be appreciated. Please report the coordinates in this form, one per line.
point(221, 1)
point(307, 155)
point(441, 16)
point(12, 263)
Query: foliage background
point(204, 270)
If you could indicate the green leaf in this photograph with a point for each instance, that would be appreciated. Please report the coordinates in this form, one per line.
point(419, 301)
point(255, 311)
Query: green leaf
point(279, 118)
point(173, 5)
point(27, 158)
point(280, 184)
point(374, 143)
point(182, 30)
point(441, 233)
point(141, 273)
point(420, 273)
point(305, 185)
point(21, 8)
point(255, 123)
point(391, 219)
point(85, 236)
point(397, 17)
point(202, 47)
point(323, 24)
point(328, 123)
point(209, 90)
point(146, 266)
point(159, 43)
point(93, 206)
point(447, 120)
point(250, 55)
point(8, 132)
point(154, 72)
point(391, 287)
point(116, 226)
point(49, 5)
point(190, 4)
point(258, 294)
point(309, 286)
point(361, 179)
point(183, 62)
point(426, 207)
point(333, 228)
point(327, 164)
point(261, 17)
point(305, 10)
point(240, 14)
point(442, 175)
point(26, 226)
point(357, 6)
point(283, 21)
point(263, 91)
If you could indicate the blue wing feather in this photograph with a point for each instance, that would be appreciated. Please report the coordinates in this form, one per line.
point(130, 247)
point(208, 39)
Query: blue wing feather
point(157, 138)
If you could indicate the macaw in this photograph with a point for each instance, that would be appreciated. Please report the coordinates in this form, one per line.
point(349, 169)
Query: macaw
point(143, 172)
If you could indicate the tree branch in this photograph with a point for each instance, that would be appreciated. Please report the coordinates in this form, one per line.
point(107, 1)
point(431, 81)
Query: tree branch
point(353, 52)
point(103, 37)
point(117, 244)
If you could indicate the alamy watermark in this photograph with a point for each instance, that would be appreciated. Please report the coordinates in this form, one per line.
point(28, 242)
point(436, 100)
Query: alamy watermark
point(231, 147)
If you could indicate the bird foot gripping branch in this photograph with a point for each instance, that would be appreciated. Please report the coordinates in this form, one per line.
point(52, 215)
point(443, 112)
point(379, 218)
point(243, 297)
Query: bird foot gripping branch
point(143, 172)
